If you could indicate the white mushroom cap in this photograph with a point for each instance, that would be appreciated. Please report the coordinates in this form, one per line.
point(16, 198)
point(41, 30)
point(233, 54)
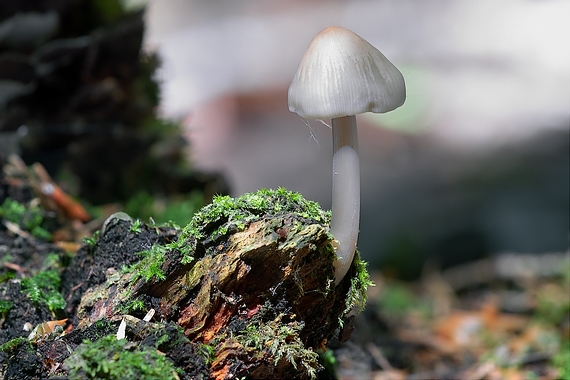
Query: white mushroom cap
point(341, 74)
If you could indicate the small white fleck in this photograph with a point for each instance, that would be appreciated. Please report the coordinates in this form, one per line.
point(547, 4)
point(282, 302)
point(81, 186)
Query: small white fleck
point(121, 333)
point(149, 315)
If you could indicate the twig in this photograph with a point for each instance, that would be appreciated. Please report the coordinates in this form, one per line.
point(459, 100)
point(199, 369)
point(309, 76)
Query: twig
point(15, 267)
point(379, 357)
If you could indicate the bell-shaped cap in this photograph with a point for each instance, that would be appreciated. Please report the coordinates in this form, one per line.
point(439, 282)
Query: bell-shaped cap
point(341, 74)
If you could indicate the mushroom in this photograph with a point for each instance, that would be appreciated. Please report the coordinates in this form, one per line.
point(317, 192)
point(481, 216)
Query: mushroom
point(342, 75)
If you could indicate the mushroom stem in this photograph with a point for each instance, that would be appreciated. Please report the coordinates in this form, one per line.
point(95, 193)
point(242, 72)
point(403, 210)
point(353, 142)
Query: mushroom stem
point(345, 192)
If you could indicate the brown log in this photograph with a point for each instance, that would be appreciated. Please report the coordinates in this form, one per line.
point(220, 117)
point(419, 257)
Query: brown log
point(262, 296)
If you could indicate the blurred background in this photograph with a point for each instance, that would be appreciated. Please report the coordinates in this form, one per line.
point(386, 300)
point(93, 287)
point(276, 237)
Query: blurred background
point(477, 160)
point(475, 163)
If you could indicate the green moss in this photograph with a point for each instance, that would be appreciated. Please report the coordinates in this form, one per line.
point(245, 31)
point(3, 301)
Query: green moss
point(149, 267)
point(28, 218)
point(561, 360)
point(226, 214)
point(222, 216)
point(162, 340)
point(5, 307)
point(43, 289)
point(144, 205)
point(51, 260)
point(136, 227)
point(7, 276)
point(208, 352)
point(356, 299)
point(102, 327)
point(108, 10)
point(281, 340)
point(91, 241)
point(166, 336)
point(109, 358)
point(11, 345)
point(130, 307)
point(12, 210)
point(328, 361)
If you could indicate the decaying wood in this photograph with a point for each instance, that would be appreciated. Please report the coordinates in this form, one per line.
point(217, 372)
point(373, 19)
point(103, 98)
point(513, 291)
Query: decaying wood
point(264, 298)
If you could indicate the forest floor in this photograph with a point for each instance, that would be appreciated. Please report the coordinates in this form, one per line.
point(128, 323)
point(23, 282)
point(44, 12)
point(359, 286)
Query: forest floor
point(505, 317)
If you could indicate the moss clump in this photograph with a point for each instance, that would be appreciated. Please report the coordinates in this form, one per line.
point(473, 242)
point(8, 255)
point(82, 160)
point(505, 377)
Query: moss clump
point(109, 358)
point(225, 212)
point(28, 218)
point(12, 344)
point(226, 215)
point(356, 299)
point(223, 216)
point(43, 288)
point(137, 226)
point(134, 305)
point(281, 341)
point(149, 267)
point(92, 240)
point(5, 307)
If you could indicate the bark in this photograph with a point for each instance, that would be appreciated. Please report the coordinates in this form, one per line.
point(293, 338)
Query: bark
point(262, 298)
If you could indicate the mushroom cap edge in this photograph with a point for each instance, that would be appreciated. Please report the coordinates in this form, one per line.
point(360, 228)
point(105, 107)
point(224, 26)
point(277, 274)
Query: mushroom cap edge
point(342, 74)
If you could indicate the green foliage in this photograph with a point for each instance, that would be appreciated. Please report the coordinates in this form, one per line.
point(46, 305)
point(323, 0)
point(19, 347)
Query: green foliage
point(136, 227)
point(144, 87)
point(208, 352)
point(227, 214)
point(161, 340)
point(12, 210)
point(397, 301)
point(149, 267)
point(40, 232)
point(43, 289)
point(7, 276)
point(550, 310)
point(109, 358)
point(136, 305)
point(91, 241)
point(132, 306)
point(282, 341)
point(562, 360)
point(221, 216)
point(13, 344)
point(143, 206)
point(328, 361)
point(102, 327)
point(29, 219)
point(50, 261)
point(239, 211)
point(168, 336)
point(356, 299)
point(5, 307)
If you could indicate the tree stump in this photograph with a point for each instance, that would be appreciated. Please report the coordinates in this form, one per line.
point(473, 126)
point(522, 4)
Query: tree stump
point(246, 289)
